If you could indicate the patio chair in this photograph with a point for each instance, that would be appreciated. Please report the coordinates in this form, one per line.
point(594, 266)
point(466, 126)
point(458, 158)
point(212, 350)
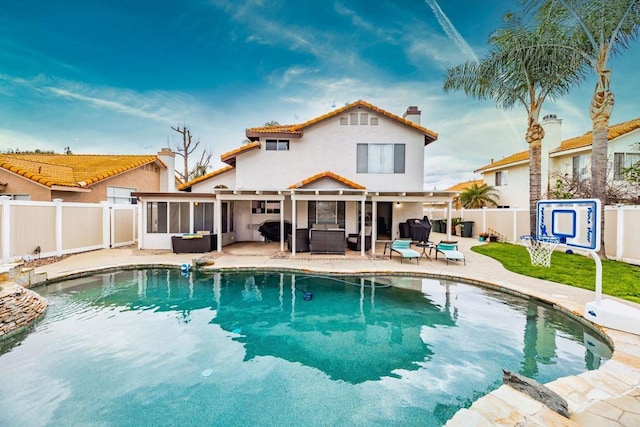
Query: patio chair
point(450, 252)
point(403, 247)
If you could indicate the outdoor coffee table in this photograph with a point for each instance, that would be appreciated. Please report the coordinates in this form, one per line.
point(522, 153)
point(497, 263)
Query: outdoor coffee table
point(424, 246)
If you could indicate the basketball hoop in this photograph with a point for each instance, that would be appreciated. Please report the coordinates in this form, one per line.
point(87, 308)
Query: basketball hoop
point(540, 248)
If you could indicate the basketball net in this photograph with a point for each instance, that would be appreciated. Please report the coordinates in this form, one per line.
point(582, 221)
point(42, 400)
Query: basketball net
point(540, 248)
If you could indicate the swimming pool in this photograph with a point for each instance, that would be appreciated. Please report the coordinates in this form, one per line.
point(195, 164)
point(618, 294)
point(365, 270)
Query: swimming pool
point(159, 347)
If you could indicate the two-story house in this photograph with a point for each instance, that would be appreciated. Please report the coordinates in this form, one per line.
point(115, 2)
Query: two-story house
point(84, 178)
point(568, 159)
point(358, 168)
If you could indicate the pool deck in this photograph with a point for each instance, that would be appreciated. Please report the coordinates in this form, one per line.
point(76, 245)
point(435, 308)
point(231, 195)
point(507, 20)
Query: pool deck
point(608, 396)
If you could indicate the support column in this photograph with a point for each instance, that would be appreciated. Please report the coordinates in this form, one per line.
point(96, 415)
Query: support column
point(218, 222)
point(374, 226)
point(282, 226)
point(362, 219)
point(619, 232)
point(294, 225)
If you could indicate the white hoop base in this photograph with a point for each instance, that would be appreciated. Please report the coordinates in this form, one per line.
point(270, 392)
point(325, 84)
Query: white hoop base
point(540, 249)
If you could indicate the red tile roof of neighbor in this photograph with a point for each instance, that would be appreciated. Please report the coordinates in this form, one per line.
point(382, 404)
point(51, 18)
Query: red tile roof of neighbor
point(615, 131)
point(205, 177)
point(581, 141)
point(297, 129)
point(464, 185)
point(327, 174)
point(509, 160)
point(72, 170)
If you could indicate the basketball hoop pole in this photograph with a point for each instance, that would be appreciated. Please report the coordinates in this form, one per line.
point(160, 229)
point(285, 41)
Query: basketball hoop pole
point(596, 258)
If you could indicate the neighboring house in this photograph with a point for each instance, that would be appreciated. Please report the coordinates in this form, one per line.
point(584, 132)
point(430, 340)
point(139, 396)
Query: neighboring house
point(461, 187)
point(356, 166)
point(84, 178)
point(569, 158)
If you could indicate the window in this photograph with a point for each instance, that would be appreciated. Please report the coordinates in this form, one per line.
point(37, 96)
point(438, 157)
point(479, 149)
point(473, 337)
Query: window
point(353, 118)
point(501, 178)
point(265, 207)
point(203, 216)
point(621, 161)
point(157, 217)
point(373, 121)
point(380, 158)
point(172, 217)
point(179, 217)
point(579, 168)
point(277, 144)
point(326, 212)
point(344, 121)
point(364, 118)
point(120, 195)
point(18, 196)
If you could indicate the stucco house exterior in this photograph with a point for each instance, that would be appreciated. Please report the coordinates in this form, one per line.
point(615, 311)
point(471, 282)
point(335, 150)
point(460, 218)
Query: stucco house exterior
point(569, 158)
point(359, 167)
point(84, 178)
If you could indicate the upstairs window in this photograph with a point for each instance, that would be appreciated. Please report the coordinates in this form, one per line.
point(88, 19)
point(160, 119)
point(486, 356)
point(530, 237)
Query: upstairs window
point(380, 158)
point(353, 118)
point(501, 178)
point(364, 118)
point(277, 144)
point(344, 120)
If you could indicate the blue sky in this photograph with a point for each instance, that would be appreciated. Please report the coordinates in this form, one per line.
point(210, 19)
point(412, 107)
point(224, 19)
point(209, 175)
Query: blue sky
point(114, 76)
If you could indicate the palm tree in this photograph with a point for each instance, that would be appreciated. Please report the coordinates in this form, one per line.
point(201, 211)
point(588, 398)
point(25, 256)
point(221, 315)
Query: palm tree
point(597, 30)
point(510, 74)
point(478, 196)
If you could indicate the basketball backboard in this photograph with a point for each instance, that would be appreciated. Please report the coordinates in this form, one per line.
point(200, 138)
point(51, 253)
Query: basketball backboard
point(576, 222)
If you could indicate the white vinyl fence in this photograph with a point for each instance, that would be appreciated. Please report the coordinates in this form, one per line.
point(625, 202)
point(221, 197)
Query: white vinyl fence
point(42, 229)
point(621, 237)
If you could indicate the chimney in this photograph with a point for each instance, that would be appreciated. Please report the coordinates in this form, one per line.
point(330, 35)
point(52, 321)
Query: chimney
point(552, 138)
point(168, 177)
point(413, 114)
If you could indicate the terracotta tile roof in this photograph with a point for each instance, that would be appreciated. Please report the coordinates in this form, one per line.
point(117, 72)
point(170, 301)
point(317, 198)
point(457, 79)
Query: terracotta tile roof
point(615, 131)
point(464, 185)
point(327, 174)
point(72, 170)
point(298, 129)
point(230, 156)
point(205, 177)
point(585, 140)
point(514, 158)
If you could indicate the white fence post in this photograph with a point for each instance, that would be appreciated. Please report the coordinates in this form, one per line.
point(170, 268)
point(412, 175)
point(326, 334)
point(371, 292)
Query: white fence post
point(619, 232)
point(515, 225)
point(6, 228)
point(58, 204)
point(106, 225)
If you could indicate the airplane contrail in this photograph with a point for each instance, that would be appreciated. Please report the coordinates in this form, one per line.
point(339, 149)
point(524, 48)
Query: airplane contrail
point(451, 31)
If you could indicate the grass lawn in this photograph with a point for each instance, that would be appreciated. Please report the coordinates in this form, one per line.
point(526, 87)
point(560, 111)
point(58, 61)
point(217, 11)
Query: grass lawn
point(618, 278)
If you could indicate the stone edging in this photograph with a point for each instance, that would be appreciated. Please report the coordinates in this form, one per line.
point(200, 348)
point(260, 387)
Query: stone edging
point(19, 308)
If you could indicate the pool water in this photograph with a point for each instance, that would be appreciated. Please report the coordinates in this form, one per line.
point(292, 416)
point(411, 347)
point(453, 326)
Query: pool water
point(161, 347)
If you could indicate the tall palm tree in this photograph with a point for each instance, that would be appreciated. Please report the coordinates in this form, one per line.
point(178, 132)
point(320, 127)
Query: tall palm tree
point(597, 30)
point(510, 74)
point(478, 196)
